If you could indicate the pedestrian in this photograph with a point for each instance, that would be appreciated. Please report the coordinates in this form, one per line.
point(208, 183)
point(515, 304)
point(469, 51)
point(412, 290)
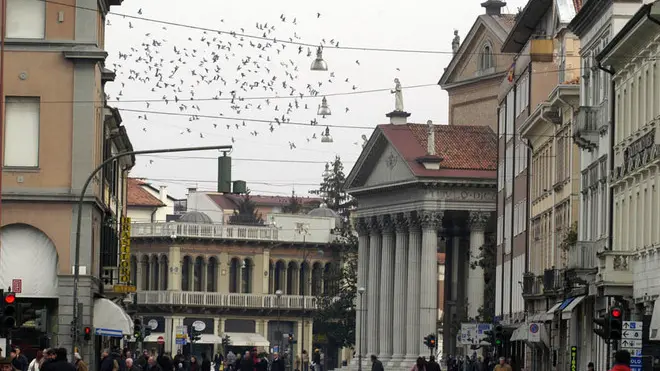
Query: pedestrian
point(376, 365)
point(432, 365)
point(502, 366)
point(79, 363)
point(420, 365)
point(206, 363)
point(36, 362)
point(6, 364)
point(278, 363)
point(131, 366)
point(590, 366)
point(621, 361)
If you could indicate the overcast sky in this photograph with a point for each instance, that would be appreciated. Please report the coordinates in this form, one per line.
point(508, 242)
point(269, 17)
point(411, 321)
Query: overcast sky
point(185, 59)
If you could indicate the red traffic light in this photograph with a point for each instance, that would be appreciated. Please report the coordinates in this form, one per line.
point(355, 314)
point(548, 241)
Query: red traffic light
point(88, 330)
point(616, 312)
point(10, 298)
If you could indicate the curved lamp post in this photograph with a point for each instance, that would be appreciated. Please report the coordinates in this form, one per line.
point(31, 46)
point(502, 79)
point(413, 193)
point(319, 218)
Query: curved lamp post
point(361, 290)
point(278, 294)
point(81, 201)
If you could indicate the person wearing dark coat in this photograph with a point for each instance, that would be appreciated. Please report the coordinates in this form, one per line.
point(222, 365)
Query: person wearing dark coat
point(246, 362)
point(278, 363)
point(376, 365)
point(206, 363)
point(60, 362)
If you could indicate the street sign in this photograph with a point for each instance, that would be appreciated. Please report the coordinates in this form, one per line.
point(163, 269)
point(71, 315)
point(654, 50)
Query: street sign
point(161, 340)
point(181, 335)
point(108, 332)
point(17, 285)
point(473, 333)
point(631, 340)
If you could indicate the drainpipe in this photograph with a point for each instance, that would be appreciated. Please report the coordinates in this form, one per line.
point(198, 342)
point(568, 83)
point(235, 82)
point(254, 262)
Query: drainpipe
point(153, 214)
point(3, 33)
point(530, 152)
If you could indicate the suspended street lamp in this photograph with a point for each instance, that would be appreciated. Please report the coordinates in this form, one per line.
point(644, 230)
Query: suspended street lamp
point(324, 110)
point(326, 137)
point(319, 64)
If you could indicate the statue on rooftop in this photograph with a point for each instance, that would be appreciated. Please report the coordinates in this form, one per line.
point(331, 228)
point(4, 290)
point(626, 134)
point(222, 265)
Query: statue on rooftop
point(398, 96)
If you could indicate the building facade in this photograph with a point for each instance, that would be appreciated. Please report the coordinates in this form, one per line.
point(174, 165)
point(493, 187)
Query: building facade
point(57, 129)
point(529, 81)
point(472, 78)
point(631, 57)
point(595, 256)
point(553, 206)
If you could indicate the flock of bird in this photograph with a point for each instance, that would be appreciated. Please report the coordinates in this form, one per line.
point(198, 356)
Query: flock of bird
point(210, 74)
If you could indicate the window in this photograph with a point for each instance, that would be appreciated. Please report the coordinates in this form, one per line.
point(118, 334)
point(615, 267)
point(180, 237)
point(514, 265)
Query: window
point(522, 95)
point(509, 169)
point(26, 19)
point(21, 132)
point(510, 99)
point(486, 57)
point(502, 119)
point(500, 176)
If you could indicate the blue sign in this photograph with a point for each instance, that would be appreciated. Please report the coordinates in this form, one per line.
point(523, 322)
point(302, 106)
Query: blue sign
point(534, 328)
point(636, 363)
point(109, 332)
point(180, 341)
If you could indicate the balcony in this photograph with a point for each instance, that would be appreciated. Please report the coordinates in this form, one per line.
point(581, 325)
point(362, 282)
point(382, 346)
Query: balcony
point(225, 300)
point(583, 256)
point(532, 285)
point(542, 50)
point(553, 282)
point(587, 124)
point(615, 275)
point(203, 231)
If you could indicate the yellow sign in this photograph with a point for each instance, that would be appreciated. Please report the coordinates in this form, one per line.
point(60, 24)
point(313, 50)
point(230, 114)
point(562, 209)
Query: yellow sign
point(125, 252)
point(574, 358)
point(124, 289)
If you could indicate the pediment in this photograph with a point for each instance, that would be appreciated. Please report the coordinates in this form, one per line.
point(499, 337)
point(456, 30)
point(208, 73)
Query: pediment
point(379, 165)
point(466, 64)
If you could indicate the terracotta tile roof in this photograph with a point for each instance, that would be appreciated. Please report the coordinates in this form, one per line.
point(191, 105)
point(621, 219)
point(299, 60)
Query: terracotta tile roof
point(466, 151)
point(138, 196)
point(230, 201)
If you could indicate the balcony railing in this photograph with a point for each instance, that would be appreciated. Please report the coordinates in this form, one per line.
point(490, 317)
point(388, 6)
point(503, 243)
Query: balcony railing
point(532, 284)
point(210, 231)
point(553, 281)
point(583, 255)
point(587, 124)
point(225, 300)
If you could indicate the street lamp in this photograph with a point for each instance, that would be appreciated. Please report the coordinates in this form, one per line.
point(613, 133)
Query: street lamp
point(81, 201)
point(360, 291)
point(324, 109)
point(319, 64)
point(326, 137)
point(278, 294)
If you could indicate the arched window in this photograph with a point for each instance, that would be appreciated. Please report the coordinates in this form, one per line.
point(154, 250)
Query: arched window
point(197, 273)
point(486, 57)
point(134, 269)
point(185, 274)
point(145, 272)
point(155, 273)
point(234, 268)
point(165, 269)
point(246, 273)
point(212, 275)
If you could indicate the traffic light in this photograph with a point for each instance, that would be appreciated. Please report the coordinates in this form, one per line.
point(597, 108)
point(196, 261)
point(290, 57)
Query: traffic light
point(499, 335)
point(195, 336)
point(291, 339)
point(226, 341)
point(9, 310)
point(490, 337)
point(147, 331)
point(87, 333)
point(429, 341)
point(137, 329)
point(616, 323)
point(41, 319)
point(604, 330)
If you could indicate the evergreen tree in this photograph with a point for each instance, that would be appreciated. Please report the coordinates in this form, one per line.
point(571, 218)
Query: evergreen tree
point(246, 212)
point(335, 316)
point(294, 206)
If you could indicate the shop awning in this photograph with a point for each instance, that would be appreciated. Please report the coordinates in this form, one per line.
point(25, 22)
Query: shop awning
point(209, 339)
point(154, 337)
point(567, 312)
point(554, 308)
point(654, 328)
point(520, 334)
point(245, 339)
point(110, 319)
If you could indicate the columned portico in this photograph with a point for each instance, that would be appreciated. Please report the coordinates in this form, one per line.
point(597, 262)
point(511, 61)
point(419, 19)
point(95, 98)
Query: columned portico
point(407, 200)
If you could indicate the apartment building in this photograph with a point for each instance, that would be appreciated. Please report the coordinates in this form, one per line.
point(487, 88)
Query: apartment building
point(596, 24)
point(57, 129)
point(531, 78)
point(553, 202)
point(472, 78)
point(631, 57)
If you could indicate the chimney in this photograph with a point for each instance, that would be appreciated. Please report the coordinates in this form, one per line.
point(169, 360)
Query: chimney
point(163, 194)
point(430, 143)
point(493, 7)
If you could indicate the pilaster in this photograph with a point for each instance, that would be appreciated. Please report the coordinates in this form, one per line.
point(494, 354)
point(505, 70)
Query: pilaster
point(174, 274)
point(223, 273)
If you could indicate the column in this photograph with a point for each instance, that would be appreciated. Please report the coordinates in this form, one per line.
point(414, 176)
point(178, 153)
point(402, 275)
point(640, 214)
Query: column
point(386, 288)
point(413, 288)
point(428, 317)
point(223, 273)
point(476, 284)
point(374, 285)
point(400, 289)
point(362, 281)
point(174, 271)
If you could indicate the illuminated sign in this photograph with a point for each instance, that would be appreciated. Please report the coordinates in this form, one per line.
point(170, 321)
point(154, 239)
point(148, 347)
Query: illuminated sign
point(125, 252)
point(574, 358)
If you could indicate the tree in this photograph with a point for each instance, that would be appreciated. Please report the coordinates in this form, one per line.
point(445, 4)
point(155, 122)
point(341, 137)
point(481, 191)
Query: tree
point(246, 212)
point(335, 317)
point(294, 206)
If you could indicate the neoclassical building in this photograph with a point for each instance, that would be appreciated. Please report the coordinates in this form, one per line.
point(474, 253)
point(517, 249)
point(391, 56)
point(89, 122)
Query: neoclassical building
point(421, 189)
point(222, 280)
